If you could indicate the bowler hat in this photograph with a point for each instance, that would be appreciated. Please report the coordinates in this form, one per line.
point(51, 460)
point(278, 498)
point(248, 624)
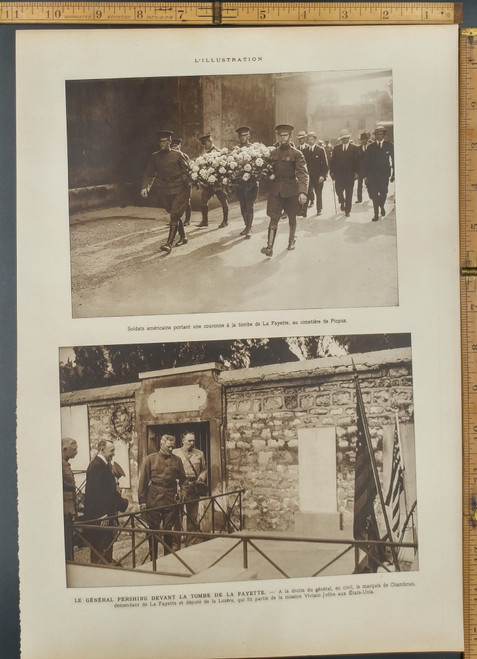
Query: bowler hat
point(242, 129)
point(205, 137)
point(344, 133)
point(164, 133)
point(285, 128)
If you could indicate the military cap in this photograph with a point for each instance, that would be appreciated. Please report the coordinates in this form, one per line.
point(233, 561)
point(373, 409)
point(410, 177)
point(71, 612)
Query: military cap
point(285, 128)
point(205, 137)
point(344, 133)
point(311, 134)
point(242, 129)
point(164, 133)
point(176, 140)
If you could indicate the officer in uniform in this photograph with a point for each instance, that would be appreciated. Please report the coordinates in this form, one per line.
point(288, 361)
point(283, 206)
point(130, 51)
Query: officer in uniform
point(317, 165)
point(207, 193)
point(288, 187)
point(167, 179)
point(378, 170)
point(195, 468)
point(247, 191)
point(160, 475)
point(176, 143)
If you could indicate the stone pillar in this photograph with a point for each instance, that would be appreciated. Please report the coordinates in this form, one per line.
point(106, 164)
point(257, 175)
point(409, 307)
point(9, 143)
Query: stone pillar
point(318, 515)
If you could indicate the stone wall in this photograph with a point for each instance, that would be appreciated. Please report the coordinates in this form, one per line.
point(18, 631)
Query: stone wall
point(266, 407)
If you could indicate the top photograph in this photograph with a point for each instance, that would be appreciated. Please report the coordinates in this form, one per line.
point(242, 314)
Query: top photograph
point(200, 194)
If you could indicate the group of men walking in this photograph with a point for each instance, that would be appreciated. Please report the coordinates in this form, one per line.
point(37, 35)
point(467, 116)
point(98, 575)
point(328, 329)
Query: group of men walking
point(299, 173)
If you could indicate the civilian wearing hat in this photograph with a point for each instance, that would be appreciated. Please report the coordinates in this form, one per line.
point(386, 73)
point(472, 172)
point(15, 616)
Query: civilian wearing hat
point(344, 169)
point(176, 145)
point(69, 449)
point(378, 170)
point(167, 178)
point(363, 146)
point(288, 187)
point(302, 143)
point(246, 191)
point(207, 193)
point(317, 164)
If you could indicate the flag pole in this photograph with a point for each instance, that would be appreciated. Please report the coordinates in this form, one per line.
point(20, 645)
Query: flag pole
point(374, 467)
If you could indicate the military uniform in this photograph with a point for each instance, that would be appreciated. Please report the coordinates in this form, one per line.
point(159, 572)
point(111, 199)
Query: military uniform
point(208, 193)
point(194, 466)
point(167, 181)
point(290, 179)
point(158, 487)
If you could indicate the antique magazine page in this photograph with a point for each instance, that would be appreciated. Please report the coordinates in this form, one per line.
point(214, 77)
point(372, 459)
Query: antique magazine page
point(238, 321)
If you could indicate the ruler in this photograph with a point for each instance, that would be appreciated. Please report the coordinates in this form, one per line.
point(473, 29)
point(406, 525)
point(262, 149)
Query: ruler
point(468, 261)
point(230, 13)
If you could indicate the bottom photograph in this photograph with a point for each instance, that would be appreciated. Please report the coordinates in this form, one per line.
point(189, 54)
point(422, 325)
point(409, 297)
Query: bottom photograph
point(238, 460)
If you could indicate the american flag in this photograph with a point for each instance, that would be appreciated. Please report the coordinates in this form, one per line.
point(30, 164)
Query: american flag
point(396, 484)
point(365, 526)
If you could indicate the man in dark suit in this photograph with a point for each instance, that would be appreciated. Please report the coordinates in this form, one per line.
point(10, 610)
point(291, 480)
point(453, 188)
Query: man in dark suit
point(378, 170)
point(317, 165)
point(363, 147)
point(344, 169)
point(288, 187)
point(101, 500)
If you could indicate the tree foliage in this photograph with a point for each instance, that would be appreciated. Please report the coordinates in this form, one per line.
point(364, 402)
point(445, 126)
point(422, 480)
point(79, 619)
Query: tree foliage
point(100, 366)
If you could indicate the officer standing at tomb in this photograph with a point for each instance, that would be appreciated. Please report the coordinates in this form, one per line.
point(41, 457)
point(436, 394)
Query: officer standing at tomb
point(288, 187)
point(207, 193)
point(195, 485)
point(166, 179)
point(161, 475)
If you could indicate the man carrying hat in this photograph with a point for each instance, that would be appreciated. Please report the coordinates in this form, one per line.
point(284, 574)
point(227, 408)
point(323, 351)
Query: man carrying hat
point(246, 191)
point(317, 165)
point(344, 169)
point(207, 193)
point(288, 187)
point(167, 179)
point(378, 170)
point(176, 145)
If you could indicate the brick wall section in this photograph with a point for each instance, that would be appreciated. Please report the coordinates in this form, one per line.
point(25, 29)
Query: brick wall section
point(266, 407)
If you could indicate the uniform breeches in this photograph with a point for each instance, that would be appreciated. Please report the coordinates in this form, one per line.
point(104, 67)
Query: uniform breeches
point(208, 193)
point(247, 198)
point(167, 519)
point(276, 205)
point(175, 204)
point(344, 190)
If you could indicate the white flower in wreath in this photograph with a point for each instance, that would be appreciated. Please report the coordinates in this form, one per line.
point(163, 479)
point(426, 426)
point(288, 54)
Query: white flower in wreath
point(248, 168)
point(233, 164)
point(203, 172)
point(246, 176)
point(194, 176)
point(222, 170)
point(259, 162)
point(225, 180)
point(272, 176)
point(212, 179)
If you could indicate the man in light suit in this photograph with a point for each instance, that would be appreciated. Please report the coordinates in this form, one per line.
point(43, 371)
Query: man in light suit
point(288, 187)
point(102, 500)
point(344, 169)
point(378, 170)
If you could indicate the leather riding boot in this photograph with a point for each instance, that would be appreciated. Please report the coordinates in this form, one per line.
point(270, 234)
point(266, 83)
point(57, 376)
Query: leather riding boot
point(225, 219)
point(268, 250)
point(291, 235)
point(205, 216)
point(170, 240)
point(182, 236)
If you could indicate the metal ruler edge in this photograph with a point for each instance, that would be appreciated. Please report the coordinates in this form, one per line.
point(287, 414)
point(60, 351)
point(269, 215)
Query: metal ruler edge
point(230, 13)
